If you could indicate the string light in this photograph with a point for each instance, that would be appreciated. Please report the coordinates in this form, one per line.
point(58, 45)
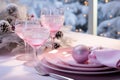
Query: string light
point(81, 30)
point(104, 35)
point(106, 1)
point(101, 34)
point(84, 15)
point(68, 8)
point(108, 24)
point(77, 30)
point(111, 16)
point(118, 32)
point(66, 1)
point(86, 3)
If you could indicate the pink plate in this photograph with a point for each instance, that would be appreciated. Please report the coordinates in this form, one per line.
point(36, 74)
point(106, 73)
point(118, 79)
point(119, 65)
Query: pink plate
point(52, 59)
point(45, 64)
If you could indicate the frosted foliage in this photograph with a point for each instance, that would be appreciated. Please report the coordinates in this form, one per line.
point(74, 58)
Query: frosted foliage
point(8, 15)
point(72, 9)
point(76, 14)
point(70, 19)
point(5, 27)
point(84, 9)
point(11, 12)
point(109, 19)
point(81, 20)
point(58, 3)
point(110, 28)
point(110, 8)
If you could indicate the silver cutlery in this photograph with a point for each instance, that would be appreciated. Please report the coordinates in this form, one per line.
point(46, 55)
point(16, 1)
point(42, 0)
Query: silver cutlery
point(53, 75)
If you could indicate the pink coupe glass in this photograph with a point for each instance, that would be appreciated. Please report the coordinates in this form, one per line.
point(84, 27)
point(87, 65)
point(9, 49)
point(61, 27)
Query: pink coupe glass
point(54, 19)
point(35, 35)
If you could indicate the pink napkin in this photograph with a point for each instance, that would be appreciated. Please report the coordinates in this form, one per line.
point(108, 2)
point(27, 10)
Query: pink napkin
point(107, 57)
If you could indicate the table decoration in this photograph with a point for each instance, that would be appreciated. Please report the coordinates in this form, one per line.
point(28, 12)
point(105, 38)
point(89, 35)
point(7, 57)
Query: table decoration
point(8, 14)
point(108, 57)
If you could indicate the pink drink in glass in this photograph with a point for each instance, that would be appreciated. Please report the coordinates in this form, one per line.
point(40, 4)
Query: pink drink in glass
point(36, 36)
point(54, 22)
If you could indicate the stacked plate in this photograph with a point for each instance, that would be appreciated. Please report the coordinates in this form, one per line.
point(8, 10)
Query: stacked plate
point(62, 60)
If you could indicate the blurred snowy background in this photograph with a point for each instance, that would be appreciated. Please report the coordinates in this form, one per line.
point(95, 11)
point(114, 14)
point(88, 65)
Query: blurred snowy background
point(76, 14)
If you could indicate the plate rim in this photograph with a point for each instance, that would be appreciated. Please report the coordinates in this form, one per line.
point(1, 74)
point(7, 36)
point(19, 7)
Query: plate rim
point(76, 72)
point(48, 59)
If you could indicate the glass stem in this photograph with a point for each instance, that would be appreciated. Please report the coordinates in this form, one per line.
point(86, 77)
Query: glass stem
point(27, 51)
point(53, 40)
point(25, 46)
point(35, 54)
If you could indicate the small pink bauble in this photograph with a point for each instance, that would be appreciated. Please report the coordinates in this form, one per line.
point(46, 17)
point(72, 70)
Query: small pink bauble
point(80, 53)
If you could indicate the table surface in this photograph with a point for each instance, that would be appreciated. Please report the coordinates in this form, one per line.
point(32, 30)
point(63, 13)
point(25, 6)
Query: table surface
point(12, 69)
